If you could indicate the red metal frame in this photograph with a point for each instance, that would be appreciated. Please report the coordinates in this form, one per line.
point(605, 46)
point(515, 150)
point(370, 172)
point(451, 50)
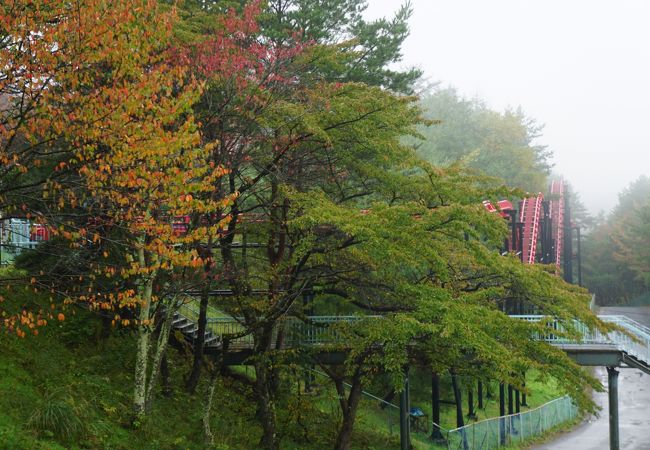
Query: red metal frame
point(529, 215)
point(557, 217)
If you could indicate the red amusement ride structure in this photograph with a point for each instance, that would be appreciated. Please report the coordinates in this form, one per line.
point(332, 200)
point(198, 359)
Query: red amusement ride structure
point(540, 229)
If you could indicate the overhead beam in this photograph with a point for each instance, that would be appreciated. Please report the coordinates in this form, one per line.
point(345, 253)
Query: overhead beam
point(596, 355)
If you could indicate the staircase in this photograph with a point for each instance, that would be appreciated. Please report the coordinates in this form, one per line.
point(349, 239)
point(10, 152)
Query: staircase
point(190, 331)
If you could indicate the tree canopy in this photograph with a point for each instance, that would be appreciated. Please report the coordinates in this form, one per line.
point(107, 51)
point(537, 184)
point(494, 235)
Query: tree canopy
point(266, 152)
point(497, 144)
point(617, 264)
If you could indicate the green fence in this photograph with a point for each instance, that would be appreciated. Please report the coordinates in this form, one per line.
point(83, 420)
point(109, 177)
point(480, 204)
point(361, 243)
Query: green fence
point(512, 429)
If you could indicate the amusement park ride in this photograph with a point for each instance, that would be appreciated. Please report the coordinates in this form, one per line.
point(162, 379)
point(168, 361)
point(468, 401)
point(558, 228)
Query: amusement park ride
point(541, 230)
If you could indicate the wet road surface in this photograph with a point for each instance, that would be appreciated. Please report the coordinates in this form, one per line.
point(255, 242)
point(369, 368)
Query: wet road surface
point(633, 406)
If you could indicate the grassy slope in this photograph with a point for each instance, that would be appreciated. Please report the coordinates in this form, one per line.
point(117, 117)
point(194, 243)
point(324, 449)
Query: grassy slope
point(76, 380)
point(67, 365)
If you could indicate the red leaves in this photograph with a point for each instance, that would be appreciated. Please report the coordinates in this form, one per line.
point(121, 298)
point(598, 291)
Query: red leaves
point(236, 54)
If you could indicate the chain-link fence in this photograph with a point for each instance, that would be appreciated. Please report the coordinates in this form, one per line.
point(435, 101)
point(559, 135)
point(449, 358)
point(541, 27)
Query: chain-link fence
point(506, 430)
point(383, 416)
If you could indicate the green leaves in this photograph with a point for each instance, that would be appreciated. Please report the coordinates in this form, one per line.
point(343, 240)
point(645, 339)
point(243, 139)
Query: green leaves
point(497, 144)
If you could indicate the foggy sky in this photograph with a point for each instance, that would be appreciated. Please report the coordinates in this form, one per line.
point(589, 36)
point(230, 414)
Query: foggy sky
point(581, 67)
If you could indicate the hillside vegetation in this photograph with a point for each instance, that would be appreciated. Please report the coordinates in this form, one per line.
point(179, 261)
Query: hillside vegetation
point(69, 388)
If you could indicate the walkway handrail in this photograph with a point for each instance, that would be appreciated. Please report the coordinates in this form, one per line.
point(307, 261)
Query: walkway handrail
point(319, 330)
point(310, 331)
point(639, 347)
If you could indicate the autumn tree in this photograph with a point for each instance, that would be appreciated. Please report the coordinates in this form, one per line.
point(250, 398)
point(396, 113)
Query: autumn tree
point(122, 113)
point(278, 132)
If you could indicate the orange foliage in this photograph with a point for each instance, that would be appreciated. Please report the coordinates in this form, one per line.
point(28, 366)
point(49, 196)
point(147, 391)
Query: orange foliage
point(100, 80)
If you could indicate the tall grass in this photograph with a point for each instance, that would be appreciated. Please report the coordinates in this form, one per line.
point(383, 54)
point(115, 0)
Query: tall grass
point(56, 417)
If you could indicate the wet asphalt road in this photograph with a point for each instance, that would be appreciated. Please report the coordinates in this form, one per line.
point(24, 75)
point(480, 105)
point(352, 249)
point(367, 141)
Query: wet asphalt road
point(634, 406)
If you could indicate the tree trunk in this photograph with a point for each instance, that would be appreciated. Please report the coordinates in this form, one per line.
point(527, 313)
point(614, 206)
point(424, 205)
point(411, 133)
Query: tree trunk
point(209, 438)
point(106, 329)
point(435, 406)
point(264, 389)
point(199, 343)
point(387, 399)
point(142, 349)
point(207, 409)
point(164, 374)
point(344, 437)
point(159, 354)
point(460, 422)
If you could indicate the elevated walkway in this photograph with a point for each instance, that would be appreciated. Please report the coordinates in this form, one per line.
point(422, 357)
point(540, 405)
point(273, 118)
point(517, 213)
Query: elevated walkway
point(627, 348)
point(615, 349)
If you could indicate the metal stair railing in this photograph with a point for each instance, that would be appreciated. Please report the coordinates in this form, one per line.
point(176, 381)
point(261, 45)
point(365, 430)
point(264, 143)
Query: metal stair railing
point(316, 331)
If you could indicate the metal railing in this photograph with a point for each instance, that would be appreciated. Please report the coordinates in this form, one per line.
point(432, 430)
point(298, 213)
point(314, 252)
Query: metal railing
point(639, 347)
point(515, 428)
point(314, 331)
point(486, 434)
point(15, 236)
point(326, 330)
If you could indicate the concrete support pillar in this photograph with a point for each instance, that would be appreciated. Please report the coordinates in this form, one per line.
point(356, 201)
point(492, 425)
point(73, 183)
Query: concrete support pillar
point(404, 414)
point(612, 387)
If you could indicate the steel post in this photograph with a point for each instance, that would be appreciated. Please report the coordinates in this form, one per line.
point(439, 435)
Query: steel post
point(511, 407)
point(435, 406)
point(517, 401)
point(568, 243)
point(579, 257)
point(404, 413)
point(612, 387)
point(502, 412)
